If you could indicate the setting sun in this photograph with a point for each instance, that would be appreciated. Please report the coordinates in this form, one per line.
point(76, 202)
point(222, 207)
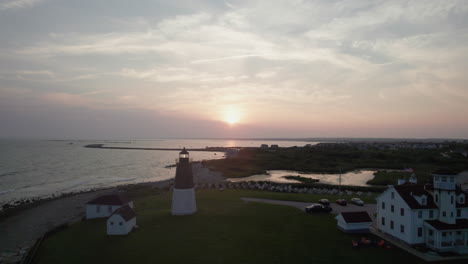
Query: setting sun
point(231, 116)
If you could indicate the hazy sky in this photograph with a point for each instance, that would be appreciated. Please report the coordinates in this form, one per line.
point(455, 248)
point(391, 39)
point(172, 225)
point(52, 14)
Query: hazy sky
point(149, 69)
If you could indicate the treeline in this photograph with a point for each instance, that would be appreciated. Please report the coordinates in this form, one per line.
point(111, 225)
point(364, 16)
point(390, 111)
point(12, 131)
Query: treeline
point(251, 161)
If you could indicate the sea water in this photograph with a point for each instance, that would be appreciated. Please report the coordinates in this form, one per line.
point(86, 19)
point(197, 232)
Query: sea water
point(40, 168)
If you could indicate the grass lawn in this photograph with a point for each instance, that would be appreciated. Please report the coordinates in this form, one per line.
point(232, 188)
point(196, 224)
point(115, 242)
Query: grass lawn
point(224, 230)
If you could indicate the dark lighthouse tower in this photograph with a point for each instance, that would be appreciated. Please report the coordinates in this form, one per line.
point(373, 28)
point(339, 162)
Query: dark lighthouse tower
point(183, 196)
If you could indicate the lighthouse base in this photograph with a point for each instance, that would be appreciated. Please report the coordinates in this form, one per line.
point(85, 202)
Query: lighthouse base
point(183, 202)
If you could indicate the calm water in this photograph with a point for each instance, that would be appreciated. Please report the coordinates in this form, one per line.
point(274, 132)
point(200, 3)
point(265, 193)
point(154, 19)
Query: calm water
point(40, 168)
point(350, 178)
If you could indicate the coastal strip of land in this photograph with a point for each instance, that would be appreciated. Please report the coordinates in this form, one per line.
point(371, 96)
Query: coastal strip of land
point(208, 149)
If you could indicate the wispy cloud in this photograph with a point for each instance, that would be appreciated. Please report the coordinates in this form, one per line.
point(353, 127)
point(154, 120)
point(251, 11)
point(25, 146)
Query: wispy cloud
point(16, 4)
point(302, 60)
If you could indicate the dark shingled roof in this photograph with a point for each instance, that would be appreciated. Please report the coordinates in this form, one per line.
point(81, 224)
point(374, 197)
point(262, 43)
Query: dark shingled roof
point(356, 217)
point(112, 199)
point(406, 191)
point(444, 171)
point(126, 212)
point(458, 190)
point(460, 224)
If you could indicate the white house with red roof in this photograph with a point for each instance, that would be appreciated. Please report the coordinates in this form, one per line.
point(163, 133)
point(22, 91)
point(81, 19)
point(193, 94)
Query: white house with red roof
point(105, 205)
point(434, 215)
point(354, 222)
point(122, 221)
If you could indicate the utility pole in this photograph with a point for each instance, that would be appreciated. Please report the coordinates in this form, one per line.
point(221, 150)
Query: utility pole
point(339, 183)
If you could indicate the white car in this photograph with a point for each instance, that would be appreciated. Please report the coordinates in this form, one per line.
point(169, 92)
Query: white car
point(357, 201)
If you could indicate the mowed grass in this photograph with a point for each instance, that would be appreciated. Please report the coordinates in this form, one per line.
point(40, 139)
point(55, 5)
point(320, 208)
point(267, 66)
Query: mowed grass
point(224, 230)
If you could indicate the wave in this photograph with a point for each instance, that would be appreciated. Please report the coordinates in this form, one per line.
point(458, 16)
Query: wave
point(124, 180)
point(6, 191)
point(11, 173)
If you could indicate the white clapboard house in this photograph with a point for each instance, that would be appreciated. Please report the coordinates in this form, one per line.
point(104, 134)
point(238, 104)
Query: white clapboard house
point(122, 221)
point(105, 205)
point(434, 215)
point(354, 222)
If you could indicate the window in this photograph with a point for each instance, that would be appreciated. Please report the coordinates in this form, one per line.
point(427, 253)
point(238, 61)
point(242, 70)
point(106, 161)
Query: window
point(112, 223)
point(423, 201)
point(109, 209)
point(98, 209)
point(458, 213)
point(120, 223)
point(391, 224)
point(451, 199)
point(383, 220)
point(392, 208)
point(437, 198)
point(431, 214)
point(402, 211)
point(451, 179)
point(451, 214)
point(393, 195)
point(420, 232)
point(458, 232)
point(431, 232)
point(443, 178)
point(444, 234)
point(437, 178)
point(383, 205)
point(420, 214)
point(444, 213)
point(402, 228)
point(462, 200)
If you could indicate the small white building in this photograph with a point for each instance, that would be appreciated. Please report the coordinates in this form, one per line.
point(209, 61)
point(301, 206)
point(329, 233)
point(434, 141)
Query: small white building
point(354, 222)
point(434, 215)
point(105, 205)
point(122, 221)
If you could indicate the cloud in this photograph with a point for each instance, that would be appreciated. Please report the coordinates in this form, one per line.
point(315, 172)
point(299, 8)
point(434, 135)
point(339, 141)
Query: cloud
point(293, 61)
point(17, 4)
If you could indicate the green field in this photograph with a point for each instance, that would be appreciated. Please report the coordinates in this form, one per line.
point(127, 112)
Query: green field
point(224, 230)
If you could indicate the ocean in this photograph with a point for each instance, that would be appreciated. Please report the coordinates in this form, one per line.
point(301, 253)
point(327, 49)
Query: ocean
point(41, 168)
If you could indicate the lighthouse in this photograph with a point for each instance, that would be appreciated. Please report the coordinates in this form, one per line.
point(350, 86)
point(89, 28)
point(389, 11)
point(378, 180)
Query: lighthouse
point(183, 196)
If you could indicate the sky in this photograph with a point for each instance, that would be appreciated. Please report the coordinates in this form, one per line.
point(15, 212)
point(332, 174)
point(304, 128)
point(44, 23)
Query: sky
point(94, 69)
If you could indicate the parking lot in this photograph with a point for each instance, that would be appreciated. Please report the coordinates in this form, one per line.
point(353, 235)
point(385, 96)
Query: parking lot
point(336, 209)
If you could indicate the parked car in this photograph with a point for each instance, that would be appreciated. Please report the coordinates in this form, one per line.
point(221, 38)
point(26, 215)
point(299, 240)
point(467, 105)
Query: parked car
point(317, 208)
point(341, 202)
point(324, 202)
point(357, 201)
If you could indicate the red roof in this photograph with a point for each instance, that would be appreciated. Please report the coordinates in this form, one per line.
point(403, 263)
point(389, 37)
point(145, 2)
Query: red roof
point(112, 199)
point(356, 217)
point(459, 224)
point(406, 191)
point(126, 212)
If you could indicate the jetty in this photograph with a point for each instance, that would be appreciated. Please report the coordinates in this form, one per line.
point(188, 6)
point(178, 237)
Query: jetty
point(207, 149)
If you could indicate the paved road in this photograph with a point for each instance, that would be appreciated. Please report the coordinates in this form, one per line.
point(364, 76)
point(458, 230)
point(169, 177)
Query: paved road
point(336, 209)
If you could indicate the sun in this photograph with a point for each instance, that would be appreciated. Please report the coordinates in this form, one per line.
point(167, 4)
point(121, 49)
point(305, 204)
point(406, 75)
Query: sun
point(232, 116)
